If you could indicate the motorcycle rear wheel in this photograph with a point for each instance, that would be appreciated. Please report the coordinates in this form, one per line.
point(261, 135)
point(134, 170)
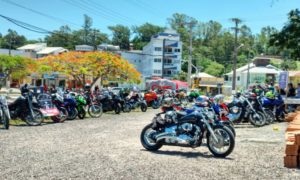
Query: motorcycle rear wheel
point(81, 114)
point(225, 137)
point(37, 118)
point(63, 114)
point(145, 139)
point(155, 104)
point(72, 114)
point(126, 108)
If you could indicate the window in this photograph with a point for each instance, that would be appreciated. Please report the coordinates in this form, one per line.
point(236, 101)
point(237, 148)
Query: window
point(167, 72)
point(168, 61)
point(168, 49)
point(157, 60)
point(157, 49)
point(157, 71)
point(238, 78)
point(177, 50)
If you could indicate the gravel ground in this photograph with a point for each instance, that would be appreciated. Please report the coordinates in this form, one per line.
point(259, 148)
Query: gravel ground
point(109, 148)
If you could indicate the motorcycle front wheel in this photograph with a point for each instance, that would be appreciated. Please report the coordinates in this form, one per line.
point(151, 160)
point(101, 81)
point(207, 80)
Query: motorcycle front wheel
point(63, 114)
point(126, 108)
point(147, 139)
point(95, 111)
point(81, 114)
point(257, 119)
point(37, 118)
point(225, 144)
point(118, 108)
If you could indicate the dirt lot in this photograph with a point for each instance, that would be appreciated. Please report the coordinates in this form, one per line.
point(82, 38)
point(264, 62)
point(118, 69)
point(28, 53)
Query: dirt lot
point(109, 148)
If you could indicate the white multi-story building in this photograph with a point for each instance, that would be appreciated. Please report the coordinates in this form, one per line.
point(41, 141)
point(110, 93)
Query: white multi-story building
point(161, 57)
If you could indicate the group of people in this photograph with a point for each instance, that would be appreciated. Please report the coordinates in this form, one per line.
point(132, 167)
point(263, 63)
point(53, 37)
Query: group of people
point(290, 91)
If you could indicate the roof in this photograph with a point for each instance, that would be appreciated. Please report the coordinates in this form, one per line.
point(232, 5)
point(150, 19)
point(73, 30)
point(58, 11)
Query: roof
point(49, 50)
point(84, 45)
point(35, 47)
point(243, 68)
point(262, 70)
point(202, 74)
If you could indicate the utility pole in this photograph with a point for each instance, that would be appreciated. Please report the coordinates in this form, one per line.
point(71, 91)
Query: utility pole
point(191, 25)
point(163, 58)
point(236, 31)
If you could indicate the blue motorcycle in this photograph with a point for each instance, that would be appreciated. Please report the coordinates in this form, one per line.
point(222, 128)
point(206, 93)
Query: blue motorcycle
point(276, 105)
point(70, 105)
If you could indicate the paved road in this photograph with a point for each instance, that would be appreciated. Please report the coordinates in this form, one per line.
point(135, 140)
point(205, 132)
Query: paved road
point(109, 148)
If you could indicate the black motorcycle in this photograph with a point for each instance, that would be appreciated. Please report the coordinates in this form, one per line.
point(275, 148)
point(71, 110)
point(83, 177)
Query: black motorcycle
point(110, 102)
point(136, 102)
point(244, 111)
point(179, 129)
point(4, 112)
point(22, 108)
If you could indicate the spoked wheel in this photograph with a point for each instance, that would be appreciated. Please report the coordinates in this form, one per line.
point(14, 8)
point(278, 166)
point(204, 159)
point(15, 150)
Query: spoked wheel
point(63, 114)
point(95, 110)
point(36, 119)
point(81, 114)
point(147, 139)
point(270, 117)
point(257, 119)
point(224, 144)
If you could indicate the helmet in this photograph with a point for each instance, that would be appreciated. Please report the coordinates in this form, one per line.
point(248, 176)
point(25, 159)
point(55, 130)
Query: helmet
point(201, 100)
point(167, 102)
point(269, 95)
point(87, 86)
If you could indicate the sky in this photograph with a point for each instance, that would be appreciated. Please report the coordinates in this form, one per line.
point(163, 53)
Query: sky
point(51, 14)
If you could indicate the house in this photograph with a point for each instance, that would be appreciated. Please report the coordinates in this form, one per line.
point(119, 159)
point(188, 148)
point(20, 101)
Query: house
point(84, 48)
point(161, 57)
point(108, 47)
point(207, 83)
point(258, 71)
point(39, 50)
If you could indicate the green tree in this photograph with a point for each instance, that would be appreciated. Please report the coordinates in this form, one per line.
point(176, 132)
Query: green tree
point(288, 37)
point(12, 40)
point(61, 38)
point(121, 36)
point(144, 33)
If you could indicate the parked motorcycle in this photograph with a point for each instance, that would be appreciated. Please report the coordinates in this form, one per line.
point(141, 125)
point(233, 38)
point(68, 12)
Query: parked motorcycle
point(45, 105)
point(81, 104)
point(276, 105)
point(152, 99)
point(22, 108)
point(58, 102)
point(4, 112)
point(243, 110)
point(93, 107)
point(70, 105)
point(110, 102)
point(137, 102)
point(179, 129)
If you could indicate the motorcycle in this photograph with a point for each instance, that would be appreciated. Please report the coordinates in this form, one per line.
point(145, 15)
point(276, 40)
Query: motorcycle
point(93, 107)
point(81, 104)
point(110, 102)
point(70, 105)
point(48, 109)
point(275, 105)
point(258, 106)
point(58, 102)
point(137, 102)
point(179, 129)
point(4, 112)
point(152, 99)
point(243, 111)
point(22, 108)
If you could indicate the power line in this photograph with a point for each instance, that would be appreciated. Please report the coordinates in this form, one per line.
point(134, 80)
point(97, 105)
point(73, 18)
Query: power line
point(41, 13)
point(86, 8)
point(141, 6)
point(109, 11)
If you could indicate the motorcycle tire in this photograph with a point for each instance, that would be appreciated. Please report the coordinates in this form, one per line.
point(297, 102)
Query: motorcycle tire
point(63, 114)
point(155, 104)
point(81, 114)
point(258, 121)
point(118, 108)
point(229, 137)
point(37, 118)
point(281, 117)
point(231, 128)
point(143, 107)
point(147, 145)
point(5, 120)
point(72, 114)
point(95, 111)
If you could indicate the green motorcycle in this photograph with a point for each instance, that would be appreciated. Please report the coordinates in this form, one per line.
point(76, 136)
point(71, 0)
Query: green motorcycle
point(81, 104)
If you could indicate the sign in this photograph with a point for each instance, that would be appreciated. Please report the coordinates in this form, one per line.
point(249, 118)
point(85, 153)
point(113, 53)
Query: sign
point(2, 75)
point(283, 79)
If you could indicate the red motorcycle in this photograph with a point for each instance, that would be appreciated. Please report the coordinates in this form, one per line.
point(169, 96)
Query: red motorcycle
point(152, 99)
